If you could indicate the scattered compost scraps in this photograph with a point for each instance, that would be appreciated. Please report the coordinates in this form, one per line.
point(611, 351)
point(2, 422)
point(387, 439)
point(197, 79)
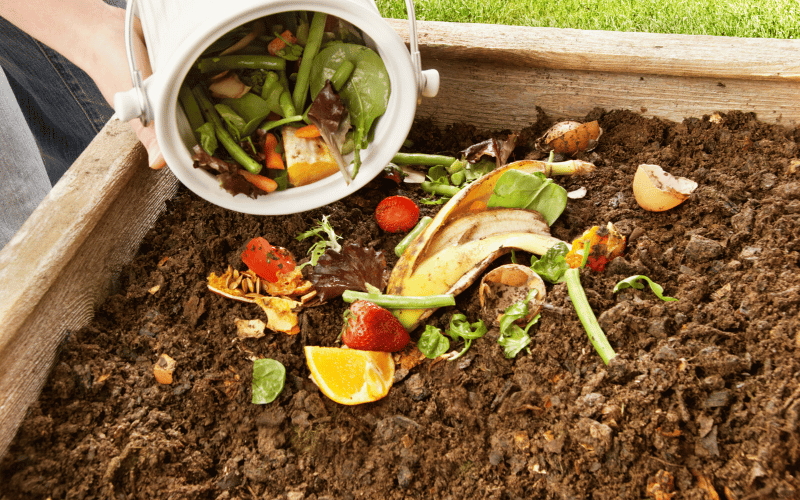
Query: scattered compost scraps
point(702, 396)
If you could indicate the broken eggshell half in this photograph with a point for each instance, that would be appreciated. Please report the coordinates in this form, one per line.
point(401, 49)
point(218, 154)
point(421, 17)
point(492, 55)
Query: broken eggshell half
point(570, 138)
point(507, 285)
point(656, 190)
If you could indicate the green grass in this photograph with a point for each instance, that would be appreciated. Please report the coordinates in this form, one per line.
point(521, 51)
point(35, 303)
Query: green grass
point(740, 18)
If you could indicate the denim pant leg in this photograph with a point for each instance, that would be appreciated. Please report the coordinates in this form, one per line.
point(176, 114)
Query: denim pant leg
point(23, 179)
point(63, 110)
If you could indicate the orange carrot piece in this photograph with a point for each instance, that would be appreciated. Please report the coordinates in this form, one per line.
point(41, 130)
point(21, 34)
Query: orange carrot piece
point(275, 161)
point(307, 132)
point(278, 44)
point(270, 143)
point(261, 182)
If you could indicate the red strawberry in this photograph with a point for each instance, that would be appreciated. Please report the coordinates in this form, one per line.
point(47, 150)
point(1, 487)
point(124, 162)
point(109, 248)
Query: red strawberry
point(370, 327)
point(266, 260)
point(397, 214)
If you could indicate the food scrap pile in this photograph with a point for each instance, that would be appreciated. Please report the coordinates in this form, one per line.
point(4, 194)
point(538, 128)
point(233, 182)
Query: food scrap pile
point(548, 353)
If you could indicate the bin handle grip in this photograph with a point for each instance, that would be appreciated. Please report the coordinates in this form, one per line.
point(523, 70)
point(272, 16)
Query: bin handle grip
point(136, 76)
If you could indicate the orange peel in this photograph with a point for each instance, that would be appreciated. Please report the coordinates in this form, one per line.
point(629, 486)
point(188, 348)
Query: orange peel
point(351, 376)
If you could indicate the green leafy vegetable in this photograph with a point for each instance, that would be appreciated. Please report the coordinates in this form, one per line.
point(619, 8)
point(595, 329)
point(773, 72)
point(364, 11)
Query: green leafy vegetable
point(366, 92)
point(514, 338)
point(269, 377)
point(208, 138)
point(552, 265)
point(328, 239)
point(460, 328)
point(533, 191)
point(432, 343)
point(633, 282)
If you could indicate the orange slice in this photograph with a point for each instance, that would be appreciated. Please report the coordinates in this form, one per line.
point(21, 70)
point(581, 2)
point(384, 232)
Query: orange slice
point(351, 376)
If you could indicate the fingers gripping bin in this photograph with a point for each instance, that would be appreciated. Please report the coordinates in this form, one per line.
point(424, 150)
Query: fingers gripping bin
point(177, 32)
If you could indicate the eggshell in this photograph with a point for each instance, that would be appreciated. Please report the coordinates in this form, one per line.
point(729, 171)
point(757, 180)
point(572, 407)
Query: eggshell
point(656, 190)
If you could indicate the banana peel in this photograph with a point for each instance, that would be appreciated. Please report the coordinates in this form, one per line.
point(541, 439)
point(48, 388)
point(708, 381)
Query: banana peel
point(439, 261)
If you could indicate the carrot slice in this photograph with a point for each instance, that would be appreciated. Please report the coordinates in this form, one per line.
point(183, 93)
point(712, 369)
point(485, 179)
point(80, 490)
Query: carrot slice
point(270, 143)
point(278, 44)
point(261, 182)
point(307, 132)
point(275, 161)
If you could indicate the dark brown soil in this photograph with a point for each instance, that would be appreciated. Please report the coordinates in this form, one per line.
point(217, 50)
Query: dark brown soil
point(705, 390)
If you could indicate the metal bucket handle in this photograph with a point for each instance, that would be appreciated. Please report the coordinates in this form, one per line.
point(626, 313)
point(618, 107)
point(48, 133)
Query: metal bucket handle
point(427, 81)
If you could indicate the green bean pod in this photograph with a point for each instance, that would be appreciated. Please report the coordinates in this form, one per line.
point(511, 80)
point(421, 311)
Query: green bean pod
point(421, 225)
point(315, 32)
point(218, 64)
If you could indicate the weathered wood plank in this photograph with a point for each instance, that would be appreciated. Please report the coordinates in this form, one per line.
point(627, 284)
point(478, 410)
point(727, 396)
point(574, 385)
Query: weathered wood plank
point(501, 73)
point(62, 262)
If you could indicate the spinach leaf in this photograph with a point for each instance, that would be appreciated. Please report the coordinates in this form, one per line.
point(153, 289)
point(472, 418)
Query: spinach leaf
point(432, 343)
point(460, 328)
point(514, 338)
point(553, 264)
point(366, 92)
point(269, 377)
point(533, 191)
point(633, 282)
point(208, 137)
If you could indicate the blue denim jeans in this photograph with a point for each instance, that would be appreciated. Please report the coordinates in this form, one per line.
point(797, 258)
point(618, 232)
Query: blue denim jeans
point(50, 110)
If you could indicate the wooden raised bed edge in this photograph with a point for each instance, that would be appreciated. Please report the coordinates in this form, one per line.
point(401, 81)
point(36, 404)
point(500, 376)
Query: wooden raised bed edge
point(63, 262)
point(495, 76)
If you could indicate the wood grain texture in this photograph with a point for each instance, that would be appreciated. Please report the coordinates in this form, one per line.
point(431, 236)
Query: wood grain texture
point(502, 73)
point(62, 263)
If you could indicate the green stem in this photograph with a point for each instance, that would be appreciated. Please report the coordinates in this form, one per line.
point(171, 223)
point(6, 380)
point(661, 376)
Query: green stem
point(342, 74)
point(586, 315)
point(191, 109)
point(218, 64)
point(571, 167)
point(440, 189)
point(422, 159)
point(400, 301)
point(421, 225)
point(228, 142)
point(277, 123)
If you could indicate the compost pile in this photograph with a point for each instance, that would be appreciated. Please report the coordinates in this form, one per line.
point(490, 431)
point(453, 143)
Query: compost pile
point(702, 400)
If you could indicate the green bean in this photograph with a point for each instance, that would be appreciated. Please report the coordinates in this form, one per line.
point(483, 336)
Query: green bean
point(421, 225)
point(286, 104)
point(191, 109)
point(238, 154)
point(303, 82)
point(223, 63)
point(440, 189)
point(401, 301)
point(422, 159)
point(342, 74)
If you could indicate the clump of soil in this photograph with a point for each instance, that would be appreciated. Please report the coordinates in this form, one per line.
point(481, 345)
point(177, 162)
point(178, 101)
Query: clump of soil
point(703, 399)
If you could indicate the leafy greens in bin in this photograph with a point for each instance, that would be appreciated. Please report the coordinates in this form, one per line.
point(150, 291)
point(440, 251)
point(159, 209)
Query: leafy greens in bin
point(271, 74)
